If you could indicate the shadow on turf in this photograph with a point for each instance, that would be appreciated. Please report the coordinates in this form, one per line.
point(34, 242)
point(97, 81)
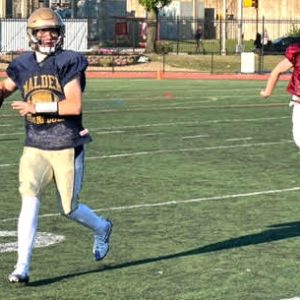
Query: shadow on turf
point(274, 233)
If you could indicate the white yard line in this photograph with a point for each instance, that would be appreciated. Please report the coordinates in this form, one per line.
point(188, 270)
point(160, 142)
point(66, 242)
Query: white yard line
point(118, 129)
point(7, 165)
point(195, 136)
point(239, 139)
point(196, 200)
point(183, 150)
point(11, 133)
point(147, 108)
point(187, 123)
point(149, 134)
point(177, 202)
point(132, 154)
point(109, 132)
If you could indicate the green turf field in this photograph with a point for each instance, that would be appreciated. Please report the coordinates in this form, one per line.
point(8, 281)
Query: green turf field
point(201, 180)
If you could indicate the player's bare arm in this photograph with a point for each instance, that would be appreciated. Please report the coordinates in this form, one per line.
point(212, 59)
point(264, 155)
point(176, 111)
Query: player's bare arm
point(7, 87)
point(282, 67)
point(71, 105)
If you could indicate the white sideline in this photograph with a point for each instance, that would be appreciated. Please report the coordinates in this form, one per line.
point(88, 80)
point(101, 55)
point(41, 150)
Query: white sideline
point(176, 202)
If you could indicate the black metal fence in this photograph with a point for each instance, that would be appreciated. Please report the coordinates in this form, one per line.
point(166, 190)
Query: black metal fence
point(179, 33)
point(115, 36)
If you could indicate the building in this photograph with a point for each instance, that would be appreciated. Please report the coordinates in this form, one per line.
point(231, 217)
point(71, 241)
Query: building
point(213, 10)
point(67, 8)
point(278, 17)
point(19, 8)
point(279, 9)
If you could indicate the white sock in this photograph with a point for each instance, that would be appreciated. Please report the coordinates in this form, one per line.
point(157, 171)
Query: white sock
point(87, 217)
point(27, 228)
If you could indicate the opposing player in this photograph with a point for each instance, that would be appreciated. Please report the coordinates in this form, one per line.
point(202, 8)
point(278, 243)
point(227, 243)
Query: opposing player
point(51, 81)
point(291, 61)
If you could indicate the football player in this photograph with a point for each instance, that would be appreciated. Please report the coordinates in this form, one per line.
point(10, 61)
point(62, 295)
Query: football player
point(51, 81)
point(291, 61)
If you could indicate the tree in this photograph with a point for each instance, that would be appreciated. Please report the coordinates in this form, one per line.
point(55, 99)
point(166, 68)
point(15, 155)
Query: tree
point(152, 7)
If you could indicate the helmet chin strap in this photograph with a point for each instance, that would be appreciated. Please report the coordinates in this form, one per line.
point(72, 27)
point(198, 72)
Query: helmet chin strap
point(42, 52)
point(46, 50)
point(37, 44)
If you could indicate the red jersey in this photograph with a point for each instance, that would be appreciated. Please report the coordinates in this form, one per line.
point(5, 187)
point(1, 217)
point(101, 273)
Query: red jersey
point(292, 54)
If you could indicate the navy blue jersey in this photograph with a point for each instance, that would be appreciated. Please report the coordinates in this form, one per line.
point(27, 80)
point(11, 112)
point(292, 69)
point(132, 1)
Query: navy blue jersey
point(45, 82)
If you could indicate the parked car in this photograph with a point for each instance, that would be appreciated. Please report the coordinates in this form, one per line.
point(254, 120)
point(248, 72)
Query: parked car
point(279, 45)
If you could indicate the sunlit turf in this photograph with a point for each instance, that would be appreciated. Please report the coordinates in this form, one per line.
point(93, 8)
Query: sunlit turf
point(201, 181)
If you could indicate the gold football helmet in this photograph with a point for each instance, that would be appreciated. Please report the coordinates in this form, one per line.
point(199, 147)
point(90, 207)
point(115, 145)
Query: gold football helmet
point(45, 18)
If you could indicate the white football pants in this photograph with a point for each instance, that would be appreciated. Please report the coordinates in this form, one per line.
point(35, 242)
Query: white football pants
point(296, 123)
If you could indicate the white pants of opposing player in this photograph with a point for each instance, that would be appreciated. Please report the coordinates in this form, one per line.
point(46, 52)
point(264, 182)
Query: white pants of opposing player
point(296, 123)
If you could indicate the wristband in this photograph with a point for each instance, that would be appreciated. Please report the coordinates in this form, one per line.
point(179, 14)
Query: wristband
point(46, 108)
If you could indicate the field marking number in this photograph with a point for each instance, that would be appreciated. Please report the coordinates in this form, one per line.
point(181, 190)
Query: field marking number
point(43, 239)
